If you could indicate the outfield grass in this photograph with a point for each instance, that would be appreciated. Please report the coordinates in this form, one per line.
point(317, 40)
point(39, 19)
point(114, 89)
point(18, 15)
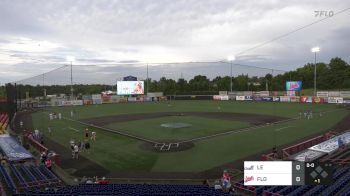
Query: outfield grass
point(151, 128)
point(118, 153)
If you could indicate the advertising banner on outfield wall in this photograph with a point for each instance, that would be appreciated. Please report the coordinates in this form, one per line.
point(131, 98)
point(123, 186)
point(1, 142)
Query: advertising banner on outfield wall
point(318, 100)
point(97, 101)
point(276, 99)
point(268, 98)
point(220, 97)
point(335, 100)
point(322, 93)
point(248, 98)
point(346, 101)
point(284, 99)
point(70, 103)
point(306, 99)
point(240, 98)
point(106, 99)
point(87, 101)
point(257, 98)
point(345, 94)
point(295, 99)
point(96, 96)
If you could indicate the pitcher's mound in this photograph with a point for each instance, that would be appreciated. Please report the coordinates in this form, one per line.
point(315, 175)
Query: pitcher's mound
point(175, 125)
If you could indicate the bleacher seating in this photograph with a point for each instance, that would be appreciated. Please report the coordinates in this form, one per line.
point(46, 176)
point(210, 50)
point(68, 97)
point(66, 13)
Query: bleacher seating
point(5, 176)
point(129, 189)
point(22, 177)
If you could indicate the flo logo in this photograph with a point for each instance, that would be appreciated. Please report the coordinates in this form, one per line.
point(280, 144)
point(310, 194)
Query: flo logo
point(248, 178)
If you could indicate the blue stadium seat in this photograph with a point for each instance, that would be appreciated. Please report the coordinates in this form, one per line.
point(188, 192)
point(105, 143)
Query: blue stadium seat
point(8, 180)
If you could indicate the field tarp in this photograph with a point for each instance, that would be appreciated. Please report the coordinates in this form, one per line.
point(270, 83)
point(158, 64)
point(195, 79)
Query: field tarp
point(12, 149)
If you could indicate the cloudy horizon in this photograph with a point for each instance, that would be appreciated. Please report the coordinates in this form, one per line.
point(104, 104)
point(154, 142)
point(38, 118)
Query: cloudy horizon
point(36, 36)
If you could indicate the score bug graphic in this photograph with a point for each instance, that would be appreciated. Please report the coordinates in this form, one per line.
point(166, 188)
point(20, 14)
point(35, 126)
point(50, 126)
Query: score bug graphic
point(318, 173)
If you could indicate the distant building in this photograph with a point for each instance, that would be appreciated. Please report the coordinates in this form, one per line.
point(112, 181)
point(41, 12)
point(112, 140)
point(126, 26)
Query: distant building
point(130, 78)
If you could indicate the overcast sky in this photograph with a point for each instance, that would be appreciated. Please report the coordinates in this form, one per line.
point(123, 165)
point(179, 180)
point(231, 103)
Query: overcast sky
point(37, 36)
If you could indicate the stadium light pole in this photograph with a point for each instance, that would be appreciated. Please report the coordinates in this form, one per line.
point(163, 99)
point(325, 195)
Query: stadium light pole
point(231, 58)
point(71, 59)
point(315, 50)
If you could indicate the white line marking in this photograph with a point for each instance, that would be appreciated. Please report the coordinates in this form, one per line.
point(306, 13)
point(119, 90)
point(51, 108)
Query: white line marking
point(76, 130)
point(279, 129)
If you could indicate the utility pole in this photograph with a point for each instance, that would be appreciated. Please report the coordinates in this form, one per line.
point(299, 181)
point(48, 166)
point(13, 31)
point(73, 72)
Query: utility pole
point(147, 80)
point(71, 80)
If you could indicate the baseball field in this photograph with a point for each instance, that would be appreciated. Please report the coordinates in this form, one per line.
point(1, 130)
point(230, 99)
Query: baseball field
point(216, 133)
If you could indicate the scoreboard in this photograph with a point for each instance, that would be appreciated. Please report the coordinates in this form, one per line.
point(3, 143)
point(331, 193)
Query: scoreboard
point(287, 173)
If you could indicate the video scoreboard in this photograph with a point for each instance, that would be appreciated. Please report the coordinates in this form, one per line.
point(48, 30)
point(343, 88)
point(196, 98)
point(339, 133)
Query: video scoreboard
point(287, 173)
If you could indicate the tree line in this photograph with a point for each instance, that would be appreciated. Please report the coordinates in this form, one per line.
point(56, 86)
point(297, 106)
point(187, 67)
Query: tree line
point(332, 76)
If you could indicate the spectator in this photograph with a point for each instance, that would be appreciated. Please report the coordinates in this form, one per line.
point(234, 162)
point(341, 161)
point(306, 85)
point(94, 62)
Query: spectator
point(86, 134)
point(87, 146)
point(89, 181)
point(102, 181)
point(59, 116)
point(76, 151)
point(48, 164)
point(49, 130)
point(93, 136)
point(72, 148)
point(43, 157)
point(21, 124)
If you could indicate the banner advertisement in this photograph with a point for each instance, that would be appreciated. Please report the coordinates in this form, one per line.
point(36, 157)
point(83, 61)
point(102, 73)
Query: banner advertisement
point(293, 85)
point(322, 93)
point(333, 93)
point(70, 103)
point(295, 99)
point(240, 98)
point(96, 96)
point(257, 98)
point(264, 93)
point(276, 99)
point(106, 99)
point(345, 94)
point(130, 87)
point(346, 101)
point(87, 102)
point(97, 101)
point(267, 98)
point(284, 99)
point(317, 99)
point(306, 99)
point(248, 98)
point(220, 97)
point(224, 98)
point(12, 149)
point(335, 100)
point(222, 92)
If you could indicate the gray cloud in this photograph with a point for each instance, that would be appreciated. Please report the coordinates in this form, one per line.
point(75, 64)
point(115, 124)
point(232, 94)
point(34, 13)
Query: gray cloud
point(138, 31)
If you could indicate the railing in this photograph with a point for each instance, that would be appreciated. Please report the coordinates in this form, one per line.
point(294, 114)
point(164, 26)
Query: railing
point(286, 152)
point(41, 148)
